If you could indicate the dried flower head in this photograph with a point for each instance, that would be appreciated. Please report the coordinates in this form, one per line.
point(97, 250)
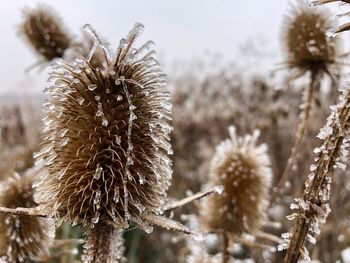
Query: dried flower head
point(44, 32)
point(22, 236)
point(243, 169)
point(106, 138)
point(307, 44)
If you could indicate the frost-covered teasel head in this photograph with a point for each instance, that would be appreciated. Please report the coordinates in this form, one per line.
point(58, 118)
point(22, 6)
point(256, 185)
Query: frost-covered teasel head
point(243, 168)
point(106, 138)
point(22, 237)
point(44, 32)
point(306, 42)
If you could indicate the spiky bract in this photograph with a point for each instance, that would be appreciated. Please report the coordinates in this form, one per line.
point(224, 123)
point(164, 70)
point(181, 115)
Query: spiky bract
point(243, 169)
point(44, 32)
point(306, 41)
point(22, 237)
point(107, 138)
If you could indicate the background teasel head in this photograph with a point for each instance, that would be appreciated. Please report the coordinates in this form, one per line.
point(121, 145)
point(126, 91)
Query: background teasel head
point(306, 41)
point(243, 169)
point(44, 32)
point(22, 237)
point(106, 138)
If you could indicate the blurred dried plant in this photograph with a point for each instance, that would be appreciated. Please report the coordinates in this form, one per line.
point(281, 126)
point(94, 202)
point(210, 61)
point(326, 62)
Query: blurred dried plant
point(44, 32)
point(243, 169)
point(307, 45)
point(309, 49)
point(22, 237)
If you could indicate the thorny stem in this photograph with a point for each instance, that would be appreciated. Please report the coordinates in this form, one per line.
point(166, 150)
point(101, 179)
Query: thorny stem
point(324, 168)
point(304, 117)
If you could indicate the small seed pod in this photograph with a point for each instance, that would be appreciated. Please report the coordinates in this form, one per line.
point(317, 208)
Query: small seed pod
point(106, 139)
point(22, 237)
point(306, 41)
point(44, 32)
point(243, 169)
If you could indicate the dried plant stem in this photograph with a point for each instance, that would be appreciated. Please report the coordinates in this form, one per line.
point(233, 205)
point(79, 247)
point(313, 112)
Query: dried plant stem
point(224, 247)
point(268, 237)
point(104, 244)
point(67, 242)
point(189, 199)
point(22, 211)
point(253, 244)
point(272, 224)
point(304, 117)
point(317, 189)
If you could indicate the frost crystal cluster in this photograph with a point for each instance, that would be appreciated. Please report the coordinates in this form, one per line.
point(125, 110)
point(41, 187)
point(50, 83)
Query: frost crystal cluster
point(243, 169)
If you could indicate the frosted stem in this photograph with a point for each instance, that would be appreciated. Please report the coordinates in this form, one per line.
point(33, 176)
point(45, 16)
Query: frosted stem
point(22, 211)
point(313, 207)
point(104, 244)
point(189, 199)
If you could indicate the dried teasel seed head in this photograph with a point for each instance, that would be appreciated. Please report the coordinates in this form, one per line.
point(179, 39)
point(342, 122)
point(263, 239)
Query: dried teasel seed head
point(22, 237)
point(106, 138)
point(243, 169)
point(44, 32)
point(305, 35)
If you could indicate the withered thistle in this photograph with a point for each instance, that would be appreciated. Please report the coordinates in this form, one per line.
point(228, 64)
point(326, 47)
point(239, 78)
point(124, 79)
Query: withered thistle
point(309, 50)
point(44, 31)
point(243, 168)
point(106, 140)
point(22, 237)
point(306, 42)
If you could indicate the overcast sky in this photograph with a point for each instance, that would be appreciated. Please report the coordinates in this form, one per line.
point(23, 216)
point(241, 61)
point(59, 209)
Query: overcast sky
point(181, 29)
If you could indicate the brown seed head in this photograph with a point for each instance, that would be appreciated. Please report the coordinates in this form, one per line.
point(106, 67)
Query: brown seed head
point(44, 32)
point(107, 138)
point(22, 237)
point(243, 169)
point(306, 41)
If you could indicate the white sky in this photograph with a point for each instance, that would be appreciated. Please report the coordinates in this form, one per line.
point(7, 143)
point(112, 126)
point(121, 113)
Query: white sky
point(181, 29)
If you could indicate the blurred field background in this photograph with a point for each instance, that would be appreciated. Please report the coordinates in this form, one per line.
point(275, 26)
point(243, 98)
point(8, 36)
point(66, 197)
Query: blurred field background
point(220, 58)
